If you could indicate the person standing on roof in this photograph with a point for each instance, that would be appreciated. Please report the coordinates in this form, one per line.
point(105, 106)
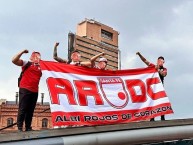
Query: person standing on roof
point(28, 88)
point(75, 56)
point(102, 64)
point(160, 68)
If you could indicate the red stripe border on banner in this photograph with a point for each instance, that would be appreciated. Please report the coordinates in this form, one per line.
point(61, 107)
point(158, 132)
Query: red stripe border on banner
point(66, 68)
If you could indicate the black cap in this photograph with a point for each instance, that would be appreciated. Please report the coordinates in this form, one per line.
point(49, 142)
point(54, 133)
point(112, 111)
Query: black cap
point(161, 57)
point(75, 51)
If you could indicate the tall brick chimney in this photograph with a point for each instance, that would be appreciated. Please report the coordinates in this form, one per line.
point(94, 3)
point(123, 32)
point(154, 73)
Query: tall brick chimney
point(16, 97)
point(42, 98)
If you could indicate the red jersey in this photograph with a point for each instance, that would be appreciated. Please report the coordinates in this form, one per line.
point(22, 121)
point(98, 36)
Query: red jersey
point(31, 77)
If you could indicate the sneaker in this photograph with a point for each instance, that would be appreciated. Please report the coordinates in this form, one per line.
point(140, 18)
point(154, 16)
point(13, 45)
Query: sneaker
point(162, 117)
point(152, 119)
point(29, 129)
point(20, 130)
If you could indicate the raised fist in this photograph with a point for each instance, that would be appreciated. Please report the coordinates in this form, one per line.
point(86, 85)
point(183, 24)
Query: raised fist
point(137, 53)
point(103, 53)
point(25, 51)
point(57, 43)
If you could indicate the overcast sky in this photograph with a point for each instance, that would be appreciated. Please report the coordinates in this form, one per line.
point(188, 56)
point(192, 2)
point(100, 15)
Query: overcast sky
point(153, 27)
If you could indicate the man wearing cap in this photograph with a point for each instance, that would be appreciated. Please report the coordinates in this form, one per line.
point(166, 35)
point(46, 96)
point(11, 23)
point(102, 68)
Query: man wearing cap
point(161, 70)
point(102, 61)
point(75, 58)
point(28, 88)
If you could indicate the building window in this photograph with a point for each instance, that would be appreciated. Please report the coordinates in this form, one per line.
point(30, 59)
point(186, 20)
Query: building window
point(107, 44)
point(9, 121)
point(45, 123)
point(106, 34)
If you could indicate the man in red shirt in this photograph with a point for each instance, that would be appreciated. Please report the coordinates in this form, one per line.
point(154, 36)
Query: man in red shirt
point(160, 68)
point(28, 88)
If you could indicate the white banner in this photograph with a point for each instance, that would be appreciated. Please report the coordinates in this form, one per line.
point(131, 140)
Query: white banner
point(85, 96)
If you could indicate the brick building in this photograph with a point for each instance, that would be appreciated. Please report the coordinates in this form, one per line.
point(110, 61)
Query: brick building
point(9, 110)
point(92, 38)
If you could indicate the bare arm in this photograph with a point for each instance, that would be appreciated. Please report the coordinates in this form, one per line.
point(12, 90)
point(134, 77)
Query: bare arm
point(55, 56)
point(85, 63)
point(93, 59)
point(143, 58)
point(16, 59)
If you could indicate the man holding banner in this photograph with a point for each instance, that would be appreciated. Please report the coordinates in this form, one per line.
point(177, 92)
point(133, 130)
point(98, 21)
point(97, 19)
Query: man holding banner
point(102, 64)
point(75, 58)
point(160, 68)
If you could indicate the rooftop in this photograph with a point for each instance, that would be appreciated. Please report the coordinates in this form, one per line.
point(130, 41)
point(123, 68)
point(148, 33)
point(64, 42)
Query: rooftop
point(131, 133)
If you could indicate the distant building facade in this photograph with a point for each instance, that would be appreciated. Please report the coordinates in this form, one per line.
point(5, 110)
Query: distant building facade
point(9, 110)
point(92, 38)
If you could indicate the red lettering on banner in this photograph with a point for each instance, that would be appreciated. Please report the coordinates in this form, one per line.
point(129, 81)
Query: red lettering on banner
point(154, 96)
point(136, 98)
point(58, 86)
point(89, 88)
point(85, 89)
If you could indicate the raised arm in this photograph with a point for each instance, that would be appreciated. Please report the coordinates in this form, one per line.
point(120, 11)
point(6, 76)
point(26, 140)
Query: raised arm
point(16, 59)
point(85, 63)
point(55, 56)
point(93, 59)
point(143, 58)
